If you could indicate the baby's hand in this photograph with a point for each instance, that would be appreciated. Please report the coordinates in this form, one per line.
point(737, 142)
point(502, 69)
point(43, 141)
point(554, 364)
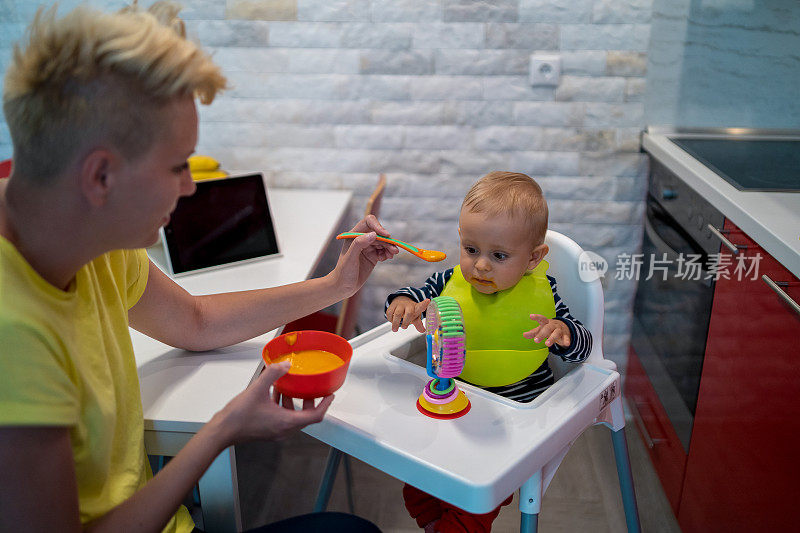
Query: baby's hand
point(404, 311)
point(555, 331)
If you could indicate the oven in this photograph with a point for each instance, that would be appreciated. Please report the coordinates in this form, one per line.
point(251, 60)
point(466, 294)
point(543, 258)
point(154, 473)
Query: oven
point(672, 307)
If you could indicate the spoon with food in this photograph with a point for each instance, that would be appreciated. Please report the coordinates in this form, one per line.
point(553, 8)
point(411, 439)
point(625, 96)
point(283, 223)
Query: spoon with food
point(427, 255)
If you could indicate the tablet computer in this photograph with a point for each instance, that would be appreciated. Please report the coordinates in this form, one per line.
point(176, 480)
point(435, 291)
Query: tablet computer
point(226, 221)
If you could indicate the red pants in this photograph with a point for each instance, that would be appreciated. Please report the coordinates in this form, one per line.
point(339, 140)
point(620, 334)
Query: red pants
point(424, 508)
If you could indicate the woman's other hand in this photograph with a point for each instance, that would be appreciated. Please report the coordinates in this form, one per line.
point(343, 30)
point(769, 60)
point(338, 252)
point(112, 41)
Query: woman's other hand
point(256, 415)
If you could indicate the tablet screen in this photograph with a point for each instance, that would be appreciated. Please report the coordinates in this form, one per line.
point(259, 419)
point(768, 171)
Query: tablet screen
point(225, 221)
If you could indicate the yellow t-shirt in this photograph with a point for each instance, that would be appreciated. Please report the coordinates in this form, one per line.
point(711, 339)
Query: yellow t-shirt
point(67, 360)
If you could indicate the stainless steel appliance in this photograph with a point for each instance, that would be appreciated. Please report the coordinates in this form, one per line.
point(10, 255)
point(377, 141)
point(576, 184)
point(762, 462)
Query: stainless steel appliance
point(671, 311)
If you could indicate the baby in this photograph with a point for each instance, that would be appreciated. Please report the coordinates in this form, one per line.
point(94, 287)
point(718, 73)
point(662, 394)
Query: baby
point(513, 315)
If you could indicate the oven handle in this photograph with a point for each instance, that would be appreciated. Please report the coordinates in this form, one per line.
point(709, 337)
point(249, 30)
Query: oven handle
point(656, 238)
point(728, 244)
point(781, 293)
point(655, 211)
point(637, 417)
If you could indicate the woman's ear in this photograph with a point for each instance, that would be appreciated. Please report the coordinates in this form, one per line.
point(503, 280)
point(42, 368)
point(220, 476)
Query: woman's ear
point(537, 254)
point(95, 176)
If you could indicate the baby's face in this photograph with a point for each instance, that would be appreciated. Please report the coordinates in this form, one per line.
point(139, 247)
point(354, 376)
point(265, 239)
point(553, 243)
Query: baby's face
point(496, 251)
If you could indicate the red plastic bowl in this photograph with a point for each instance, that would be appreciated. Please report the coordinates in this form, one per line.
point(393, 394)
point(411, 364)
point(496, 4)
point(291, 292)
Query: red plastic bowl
point(309, 386)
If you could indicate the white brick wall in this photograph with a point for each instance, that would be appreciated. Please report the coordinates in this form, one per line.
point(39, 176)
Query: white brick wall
point(435, 93)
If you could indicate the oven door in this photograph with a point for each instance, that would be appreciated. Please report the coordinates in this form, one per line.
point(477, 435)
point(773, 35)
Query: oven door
point(671, 313)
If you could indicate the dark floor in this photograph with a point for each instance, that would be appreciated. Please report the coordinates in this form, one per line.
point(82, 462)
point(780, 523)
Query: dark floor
point(278, 480)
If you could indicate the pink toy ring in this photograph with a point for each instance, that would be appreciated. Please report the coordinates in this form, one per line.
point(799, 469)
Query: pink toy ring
point(439, 399)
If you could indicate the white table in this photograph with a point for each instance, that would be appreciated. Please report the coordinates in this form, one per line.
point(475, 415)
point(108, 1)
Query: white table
point(182, 390)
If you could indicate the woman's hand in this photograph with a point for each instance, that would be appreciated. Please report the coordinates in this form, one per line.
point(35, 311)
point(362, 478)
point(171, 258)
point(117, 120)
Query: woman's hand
point(360, 255)
point(254, 415)
point(554, 331)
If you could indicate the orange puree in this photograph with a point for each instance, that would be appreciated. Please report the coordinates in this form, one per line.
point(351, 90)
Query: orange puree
point(310, 361)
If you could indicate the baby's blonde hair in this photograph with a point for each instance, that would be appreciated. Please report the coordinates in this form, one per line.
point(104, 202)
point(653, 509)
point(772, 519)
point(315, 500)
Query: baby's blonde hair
point(510, 194)
point(99, 78)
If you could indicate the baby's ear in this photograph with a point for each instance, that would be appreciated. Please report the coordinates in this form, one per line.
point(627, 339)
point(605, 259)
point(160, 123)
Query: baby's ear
point(537, 254)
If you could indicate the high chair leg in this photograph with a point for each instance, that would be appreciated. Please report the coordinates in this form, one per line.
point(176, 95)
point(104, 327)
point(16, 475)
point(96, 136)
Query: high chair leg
point(326, 484)
point(530, 503)
point(528, 523)
point(620, 443)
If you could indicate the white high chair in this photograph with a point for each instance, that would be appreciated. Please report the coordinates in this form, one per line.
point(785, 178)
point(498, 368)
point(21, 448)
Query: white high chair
point(588, 394)
point(585, 301)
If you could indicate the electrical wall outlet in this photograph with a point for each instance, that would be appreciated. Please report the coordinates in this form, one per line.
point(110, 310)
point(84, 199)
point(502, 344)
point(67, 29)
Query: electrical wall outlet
point(545, 70)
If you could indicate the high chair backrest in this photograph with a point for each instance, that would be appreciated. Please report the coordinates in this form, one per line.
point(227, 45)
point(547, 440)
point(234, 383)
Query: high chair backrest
point(584, 298)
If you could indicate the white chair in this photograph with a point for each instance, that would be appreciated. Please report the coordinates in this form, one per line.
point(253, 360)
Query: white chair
point(585, 300)
point(345, 322)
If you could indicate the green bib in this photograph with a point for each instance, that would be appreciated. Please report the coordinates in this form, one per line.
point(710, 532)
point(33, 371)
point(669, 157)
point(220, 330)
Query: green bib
point(497, 353)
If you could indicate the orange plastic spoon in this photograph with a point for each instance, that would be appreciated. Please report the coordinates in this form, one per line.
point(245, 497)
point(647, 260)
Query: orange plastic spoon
point(427, 255)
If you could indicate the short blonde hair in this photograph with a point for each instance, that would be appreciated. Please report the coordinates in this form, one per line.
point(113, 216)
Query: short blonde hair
point(510, 194)
point(99, 78)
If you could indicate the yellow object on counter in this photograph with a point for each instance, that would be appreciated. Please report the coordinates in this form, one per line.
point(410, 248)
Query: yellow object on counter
point(204, 167)
point(201, 163)
point(201, 175)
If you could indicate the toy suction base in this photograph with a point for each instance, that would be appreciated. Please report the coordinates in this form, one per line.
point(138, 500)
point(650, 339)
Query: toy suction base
point(456, 408)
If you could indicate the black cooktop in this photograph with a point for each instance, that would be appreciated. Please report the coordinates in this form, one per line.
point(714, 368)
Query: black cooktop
point(750, 165)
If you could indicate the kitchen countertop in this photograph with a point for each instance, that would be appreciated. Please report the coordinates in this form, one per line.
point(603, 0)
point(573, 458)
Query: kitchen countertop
point(772, 219)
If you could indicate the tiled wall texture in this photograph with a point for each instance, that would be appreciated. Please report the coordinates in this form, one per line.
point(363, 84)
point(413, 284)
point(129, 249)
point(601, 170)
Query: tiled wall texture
point(434, 93)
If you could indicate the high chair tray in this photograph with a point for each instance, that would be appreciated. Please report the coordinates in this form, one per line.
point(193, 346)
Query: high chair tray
point(473, 462)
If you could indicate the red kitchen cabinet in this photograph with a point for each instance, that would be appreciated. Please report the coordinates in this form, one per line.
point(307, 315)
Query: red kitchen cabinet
point(663, 445)
point(743, 467)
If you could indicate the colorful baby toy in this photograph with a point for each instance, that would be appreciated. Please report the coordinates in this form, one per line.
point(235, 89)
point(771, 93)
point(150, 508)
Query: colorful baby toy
point(446, 346)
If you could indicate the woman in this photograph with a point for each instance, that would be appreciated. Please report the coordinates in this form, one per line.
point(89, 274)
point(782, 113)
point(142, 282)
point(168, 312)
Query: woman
point(102, 118)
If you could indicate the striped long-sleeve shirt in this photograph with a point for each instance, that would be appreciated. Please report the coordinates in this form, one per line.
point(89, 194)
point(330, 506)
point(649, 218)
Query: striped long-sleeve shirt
point(532, 386)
